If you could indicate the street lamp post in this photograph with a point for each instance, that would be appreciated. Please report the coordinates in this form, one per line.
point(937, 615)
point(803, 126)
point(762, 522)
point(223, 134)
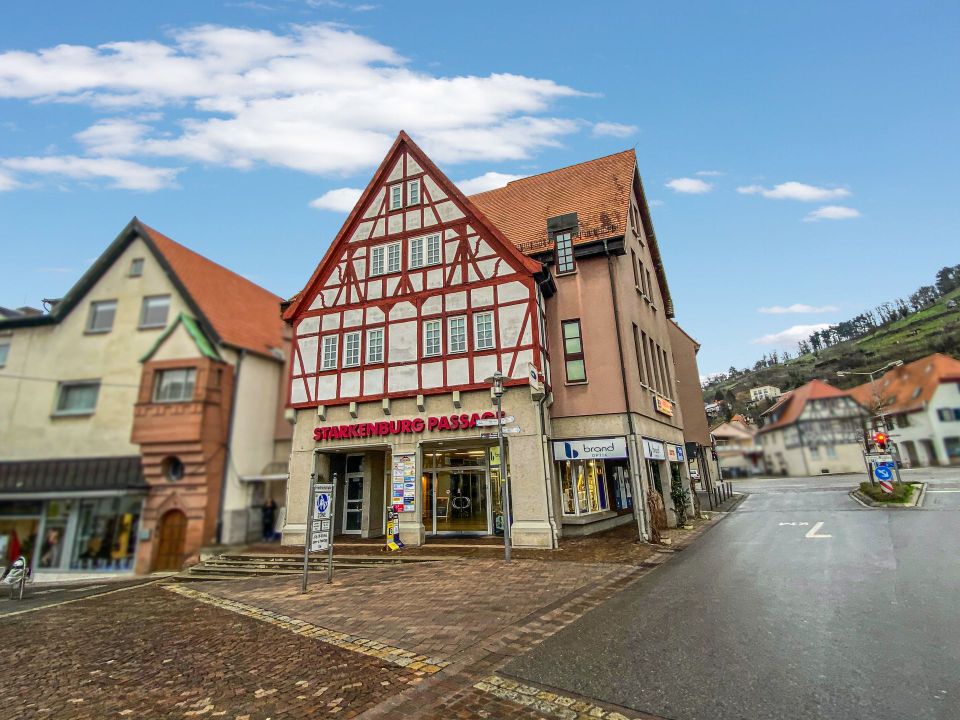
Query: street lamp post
point(497, 392)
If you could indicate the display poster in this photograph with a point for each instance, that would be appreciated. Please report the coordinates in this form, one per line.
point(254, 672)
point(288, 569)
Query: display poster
point(674, 453)
point(321, 523)
point(403, 493)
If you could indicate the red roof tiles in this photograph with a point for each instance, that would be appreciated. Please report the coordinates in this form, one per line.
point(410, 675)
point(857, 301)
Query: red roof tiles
point(241, 312)
point(792, 403)
point(907, 388)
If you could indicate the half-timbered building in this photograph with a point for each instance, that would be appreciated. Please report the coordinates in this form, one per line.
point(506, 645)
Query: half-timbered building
point(553, 281)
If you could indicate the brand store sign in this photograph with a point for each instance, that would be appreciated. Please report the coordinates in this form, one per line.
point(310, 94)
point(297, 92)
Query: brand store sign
point(597, 449)
point(654, 450)
point(674, 453)
point(441, 423)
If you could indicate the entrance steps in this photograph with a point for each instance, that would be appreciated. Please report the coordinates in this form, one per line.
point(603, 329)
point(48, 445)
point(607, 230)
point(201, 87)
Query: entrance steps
point(240, 565)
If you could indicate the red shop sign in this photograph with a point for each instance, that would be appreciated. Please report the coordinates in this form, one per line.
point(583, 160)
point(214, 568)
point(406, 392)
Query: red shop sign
point(441, 423)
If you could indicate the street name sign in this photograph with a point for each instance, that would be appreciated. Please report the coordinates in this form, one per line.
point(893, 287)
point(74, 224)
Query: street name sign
point(493, 422)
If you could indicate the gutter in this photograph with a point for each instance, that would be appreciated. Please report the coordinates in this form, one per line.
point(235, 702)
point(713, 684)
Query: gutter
point(229, 445)
point(639, 501)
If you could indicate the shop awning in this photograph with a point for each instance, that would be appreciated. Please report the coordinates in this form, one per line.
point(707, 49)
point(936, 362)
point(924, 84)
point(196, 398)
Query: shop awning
point(72, 475)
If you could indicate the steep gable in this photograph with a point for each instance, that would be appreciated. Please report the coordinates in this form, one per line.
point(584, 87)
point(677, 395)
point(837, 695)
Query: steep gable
point(415, 258)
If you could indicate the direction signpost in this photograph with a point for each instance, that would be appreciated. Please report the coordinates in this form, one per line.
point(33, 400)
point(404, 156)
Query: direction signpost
point(318, 531)
point(493, 422)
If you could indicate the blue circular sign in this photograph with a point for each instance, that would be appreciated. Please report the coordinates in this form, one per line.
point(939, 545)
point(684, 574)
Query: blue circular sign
point(323, 502)
point(883, 472)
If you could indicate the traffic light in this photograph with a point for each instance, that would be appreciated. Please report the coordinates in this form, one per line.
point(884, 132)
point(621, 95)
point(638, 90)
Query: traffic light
point(880, 440)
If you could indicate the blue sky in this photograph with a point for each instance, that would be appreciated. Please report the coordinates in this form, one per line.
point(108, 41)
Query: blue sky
point(798, 156)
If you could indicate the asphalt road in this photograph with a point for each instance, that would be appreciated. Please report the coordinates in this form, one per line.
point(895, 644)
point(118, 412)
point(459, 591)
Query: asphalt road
point(36, 596)
point(800, 604)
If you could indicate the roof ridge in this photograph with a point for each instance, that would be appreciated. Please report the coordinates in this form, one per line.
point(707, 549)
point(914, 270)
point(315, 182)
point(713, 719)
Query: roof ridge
point(555, 170)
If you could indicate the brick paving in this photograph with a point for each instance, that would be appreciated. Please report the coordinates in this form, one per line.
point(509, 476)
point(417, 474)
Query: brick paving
point(423, 641)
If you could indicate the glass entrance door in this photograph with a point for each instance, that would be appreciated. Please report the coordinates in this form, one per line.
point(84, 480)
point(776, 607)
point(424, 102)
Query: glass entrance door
point(353, 496)
point(460, 501)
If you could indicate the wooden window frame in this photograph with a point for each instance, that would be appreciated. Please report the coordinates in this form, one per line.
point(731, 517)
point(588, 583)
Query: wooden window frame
point(569, 357)
point(557, 252)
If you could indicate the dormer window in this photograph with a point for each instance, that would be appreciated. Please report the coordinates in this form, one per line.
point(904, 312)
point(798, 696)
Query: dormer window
point(413, 192)
point(396, 197)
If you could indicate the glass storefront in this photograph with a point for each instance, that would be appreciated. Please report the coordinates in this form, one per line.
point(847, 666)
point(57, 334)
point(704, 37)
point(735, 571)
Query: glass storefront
point(590, 486)
point(92, 534)
point(456, 490)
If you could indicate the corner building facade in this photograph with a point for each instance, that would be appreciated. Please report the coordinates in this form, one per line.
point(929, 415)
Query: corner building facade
point(556, 282)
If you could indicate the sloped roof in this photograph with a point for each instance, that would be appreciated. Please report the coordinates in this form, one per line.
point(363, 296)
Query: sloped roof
point(908, 387)
point(240, 312)
point(792, 403)
point(196, 333)
point(734, 429)
point(232, 310)
point(597, 190)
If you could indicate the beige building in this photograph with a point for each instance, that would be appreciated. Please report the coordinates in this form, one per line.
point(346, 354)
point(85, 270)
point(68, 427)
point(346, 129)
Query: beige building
point(813, 430)
point(696, 428)
point(738, 450)
point(764, 392)
point(555, 282)
point(135, 414)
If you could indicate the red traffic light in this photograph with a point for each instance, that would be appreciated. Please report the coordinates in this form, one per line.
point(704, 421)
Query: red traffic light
point(880, 440)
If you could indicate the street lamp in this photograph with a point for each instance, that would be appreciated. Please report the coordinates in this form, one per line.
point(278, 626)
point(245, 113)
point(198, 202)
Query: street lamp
point(496, 391)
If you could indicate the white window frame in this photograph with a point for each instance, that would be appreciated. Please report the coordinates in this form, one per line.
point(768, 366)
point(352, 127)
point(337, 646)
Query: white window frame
point(64, 386)
point(351, 349)
point(477, 344)
point(432, 346)
point(426, 250)
point(378, 260)
point(396, 196)
point(411, 186)
point(374, 358)
point(416, 251)
point(457, 345)
point(189, 380)
point(143, 325)
point(329, 346)
point(394, 258)
point(96, 307)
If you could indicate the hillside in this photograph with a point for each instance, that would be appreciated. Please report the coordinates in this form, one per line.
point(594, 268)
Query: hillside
point(935, 328)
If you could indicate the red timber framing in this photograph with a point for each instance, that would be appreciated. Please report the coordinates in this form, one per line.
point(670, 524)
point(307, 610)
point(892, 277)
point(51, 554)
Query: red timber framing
point(477, 271)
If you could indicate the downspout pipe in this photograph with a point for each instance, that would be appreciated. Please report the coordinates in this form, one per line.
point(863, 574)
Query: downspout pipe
point(229, 446)
point(639, 501)
point(544, 452)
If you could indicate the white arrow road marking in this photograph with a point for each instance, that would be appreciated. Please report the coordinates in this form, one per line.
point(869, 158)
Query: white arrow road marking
point(814, 532)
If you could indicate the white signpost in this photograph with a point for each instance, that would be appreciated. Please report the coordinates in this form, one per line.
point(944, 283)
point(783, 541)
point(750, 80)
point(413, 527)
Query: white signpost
point(318, 531)
point(493, 422)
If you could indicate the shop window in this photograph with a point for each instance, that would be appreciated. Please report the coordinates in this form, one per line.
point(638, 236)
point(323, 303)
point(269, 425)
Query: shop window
point(583, 486)
point(457, 334)
point(77, 398)
point(413, 192)
point(375, 346)
point(483, 331)
point(351, 349)
point(102, 313)
point(106, 534)
point(173, 469)
point(154, 311)
point(174, 385)
point(396, 197)
point(573, 351)
point(136, 267)
point(563, 247)
point(431, 338)
point(54, 533)
point(4, 352)
point(328, 360)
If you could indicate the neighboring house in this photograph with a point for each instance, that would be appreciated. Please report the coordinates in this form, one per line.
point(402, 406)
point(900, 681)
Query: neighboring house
point(556, 282)
point(921, 404)
point(133, 415)
point(738, 451)
point(696, 428)
point(712, 409)
point(815, 429)
point(765, 392)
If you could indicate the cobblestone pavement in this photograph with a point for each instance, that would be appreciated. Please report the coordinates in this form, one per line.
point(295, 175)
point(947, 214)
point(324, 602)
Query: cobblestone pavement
point(425, 641)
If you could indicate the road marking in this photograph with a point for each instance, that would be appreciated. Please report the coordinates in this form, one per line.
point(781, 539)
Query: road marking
point(4, 616)
point(944, 491)
point(814, 532)
point(794, 524)
point(85, 589)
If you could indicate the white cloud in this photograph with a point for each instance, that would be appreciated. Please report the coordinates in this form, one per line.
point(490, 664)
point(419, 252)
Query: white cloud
point(318, 98)
point(123, 174)
point(791, 336)
point(487, 181)
point(339, 200)
point(655, 203)
point(612, 129)
point(691, 186)
point(708, 173)
point(795, 191)
point(832, 212)
point(7, 182)
point(797, 308)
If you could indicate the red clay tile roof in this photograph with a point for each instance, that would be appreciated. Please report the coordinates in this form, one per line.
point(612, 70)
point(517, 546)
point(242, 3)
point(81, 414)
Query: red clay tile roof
point(243, 314)
point(907, 388)
point(597, 190)
point(793, 402)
